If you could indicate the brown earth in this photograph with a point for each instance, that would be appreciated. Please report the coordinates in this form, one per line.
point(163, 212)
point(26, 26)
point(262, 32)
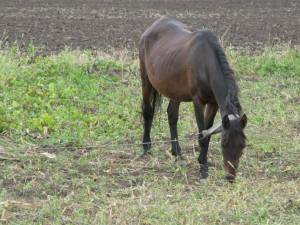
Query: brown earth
point(103, 24)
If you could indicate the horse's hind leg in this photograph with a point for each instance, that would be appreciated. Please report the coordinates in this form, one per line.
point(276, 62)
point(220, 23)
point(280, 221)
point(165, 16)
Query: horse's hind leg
point(148, 118)
point(173, 109)
point(148, 110)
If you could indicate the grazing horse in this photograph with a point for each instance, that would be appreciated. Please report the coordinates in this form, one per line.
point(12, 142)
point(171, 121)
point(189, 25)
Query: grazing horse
point(186, 64)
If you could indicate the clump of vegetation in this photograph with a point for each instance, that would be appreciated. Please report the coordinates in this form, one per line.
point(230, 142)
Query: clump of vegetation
point(273, 62)
point(72, 95)
point(57, 112)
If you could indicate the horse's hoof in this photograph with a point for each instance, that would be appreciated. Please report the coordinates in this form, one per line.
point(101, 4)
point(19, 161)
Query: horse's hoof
point(176, 151)
point(203, 175)
point(230, 178)
point(146, 153)
point(204, 171)
point(180, 161)
point(179, 158)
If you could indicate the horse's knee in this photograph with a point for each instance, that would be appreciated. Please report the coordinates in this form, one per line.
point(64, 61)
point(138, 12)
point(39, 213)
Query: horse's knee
point(173, 121)
point(203, 141)
point(204, 144)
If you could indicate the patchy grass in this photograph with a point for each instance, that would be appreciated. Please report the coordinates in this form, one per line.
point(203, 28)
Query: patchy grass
point(70, 123)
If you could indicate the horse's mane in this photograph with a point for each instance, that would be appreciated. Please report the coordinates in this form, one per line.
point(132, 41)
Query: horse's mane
point(232, 101)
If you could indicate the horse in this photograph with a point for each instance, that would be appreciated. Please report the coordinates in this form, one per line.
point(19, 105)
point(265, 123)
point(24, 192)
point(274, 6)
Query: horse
point(186, 64)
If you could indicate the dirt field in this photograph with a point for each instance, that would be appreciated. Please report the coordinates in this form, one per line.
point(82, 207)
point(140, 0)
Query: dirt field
point(101, 25)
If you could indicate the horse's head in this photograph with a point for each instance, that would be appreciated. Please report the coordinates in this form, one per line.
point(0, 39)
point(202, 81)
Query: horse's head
point(233, 142)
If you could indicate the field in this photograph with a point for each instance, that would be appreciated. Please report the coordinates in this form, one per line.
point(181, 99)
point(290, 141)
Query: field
point(70, 146)
point(71, 125)
point(109, 25)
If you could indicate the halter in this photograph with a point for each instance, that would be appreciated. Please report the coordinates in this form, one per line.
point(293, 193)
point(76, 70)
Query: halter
point(232, 117)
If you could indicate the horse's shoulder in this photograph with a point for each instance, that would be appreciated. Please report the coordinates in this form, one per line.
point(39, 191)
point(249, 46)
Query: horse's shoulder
point(204, 35)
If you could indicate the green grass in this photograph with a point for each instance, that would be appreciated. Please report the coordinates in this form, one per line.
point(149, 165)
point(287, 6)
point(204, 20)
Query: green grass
point(70, 123)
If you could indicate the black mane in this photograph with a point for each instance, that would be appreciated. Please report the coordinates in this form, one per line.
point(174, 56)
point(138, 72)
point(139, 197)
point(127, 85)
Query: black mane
point(232, 100)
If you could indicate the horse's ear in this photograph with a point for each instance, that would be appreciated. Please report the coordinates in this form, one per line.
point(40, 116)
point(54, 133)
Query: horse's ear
point(243, 121)
point(226, 122)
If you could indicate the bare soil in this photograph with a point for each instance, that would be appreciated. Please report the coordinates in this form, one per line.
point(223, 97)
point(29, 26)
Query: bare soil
point(104, 25)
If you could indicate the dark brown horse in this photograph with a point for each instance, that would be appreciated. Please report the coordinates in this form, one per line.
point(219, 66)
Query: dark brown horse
point(186, 64)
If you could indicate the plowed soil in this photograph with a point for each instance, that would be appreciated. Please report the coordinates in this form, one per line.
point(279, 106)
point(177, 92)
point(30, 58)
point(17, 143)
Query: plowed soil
point(103, 25)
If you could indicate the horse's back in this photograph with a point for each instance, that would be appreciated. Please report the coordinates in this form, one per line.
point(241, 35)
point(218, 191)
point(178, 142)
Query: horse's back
point(169, 51)
point(163, 28)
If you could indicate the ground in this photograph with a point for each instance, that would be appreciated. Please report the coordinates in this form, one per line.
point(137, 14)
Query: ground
point(71, 144)
point(104, 25)
point(70, 121)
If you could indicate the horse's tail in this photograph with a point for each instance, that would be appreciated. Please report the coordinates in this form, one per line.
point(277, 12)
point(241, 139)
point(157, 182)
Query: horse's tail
point(153, 99)
point(153, 96)
point(156, 100)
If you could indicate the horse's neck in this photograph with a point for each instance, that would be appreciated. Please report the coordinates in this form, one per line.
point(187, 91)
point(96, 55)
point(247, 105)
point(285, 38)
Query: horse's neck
point(227, 100)
point(229, 108)
point(225, 92)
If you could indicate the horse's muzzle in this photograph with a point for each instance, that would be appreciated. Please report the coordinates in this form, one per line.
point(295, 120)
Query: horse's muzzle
point(230, 167)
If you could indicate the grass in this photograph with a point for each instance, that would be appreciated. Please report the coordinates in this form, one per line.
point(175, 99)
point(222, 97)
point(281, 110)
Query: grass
point(70, 123)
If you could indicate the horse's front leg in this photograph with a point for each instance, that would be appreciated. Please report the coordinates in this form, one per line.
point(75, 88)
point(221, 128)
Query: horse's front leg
point(203, 143)
point(172, 110)
point(209, 116)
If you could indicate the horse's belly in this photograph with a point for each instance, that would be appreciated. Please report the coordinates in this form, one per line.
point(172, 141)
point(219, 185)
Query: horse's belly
point(175, 89)
point(170, 76)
